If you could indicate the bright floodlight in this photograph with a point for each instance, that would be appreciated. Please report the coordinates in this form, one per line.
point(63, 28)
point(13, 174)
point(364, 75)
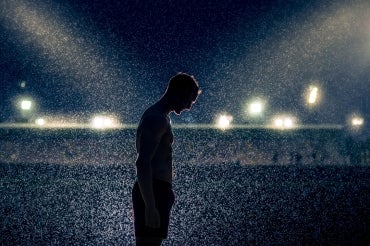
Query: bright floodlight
point(40, 121)
point(284, 122)
point(103, 122)
point(288, 123)
point(278, 122)
point(224, 121)
point(26, 104)
point(312, 95)
point(255, 108)
point(357, 121)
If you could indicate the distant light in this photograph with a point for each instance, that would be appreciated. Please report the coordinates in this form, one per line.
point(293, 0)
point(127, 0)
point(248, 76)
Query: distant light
point(312, 98)
point(279, 122)
point(224, 121)
point(26, 104)
point(104, 122)
point(288, 123)
point(312, 95)
point(40, 121)
point(284, 122)
point(357, 121)
point(23, 84)
point(255, 108)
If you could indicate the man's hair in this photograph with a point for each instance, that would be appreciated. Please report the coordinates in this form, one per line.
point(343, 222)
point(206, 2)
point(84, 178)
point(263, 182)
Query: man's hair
point(183, 83)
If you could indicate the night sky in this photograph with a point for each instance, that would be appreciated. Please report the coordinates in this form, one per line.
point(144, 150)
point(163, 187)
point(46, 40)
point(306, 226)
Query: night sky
point(84, 57)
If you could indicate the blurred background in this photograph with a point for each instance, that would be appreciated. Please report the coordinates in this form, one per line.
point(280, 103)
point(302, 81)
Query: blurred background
point(280, 63)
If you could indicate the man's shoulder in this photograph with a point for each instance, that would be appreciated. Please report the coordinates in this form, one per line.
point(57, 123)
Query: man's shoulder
point(153, 117)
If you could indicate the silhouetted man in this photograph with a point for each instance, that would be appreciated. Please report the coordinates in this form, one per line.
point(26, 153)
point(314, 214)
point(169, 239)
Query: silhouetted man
point(152, 193)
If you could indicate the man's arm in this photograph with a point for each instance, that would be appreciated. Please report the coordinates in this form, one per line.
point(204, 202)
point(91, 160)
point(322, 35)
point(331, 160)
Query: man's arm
point(152, 129)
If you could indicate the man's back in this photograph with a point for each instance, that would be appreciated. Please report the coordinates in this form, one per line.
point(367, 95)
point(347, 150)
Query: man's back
point(161, 162)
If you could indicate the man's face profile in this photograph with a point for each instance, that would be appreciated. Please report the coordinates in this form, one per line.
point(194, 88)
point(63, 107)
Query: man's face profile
point(184, 103)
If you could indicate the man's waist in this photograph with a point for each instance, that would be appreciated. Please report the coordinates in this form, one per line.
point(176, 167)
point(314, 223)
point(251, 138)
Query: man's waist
point(160, 182)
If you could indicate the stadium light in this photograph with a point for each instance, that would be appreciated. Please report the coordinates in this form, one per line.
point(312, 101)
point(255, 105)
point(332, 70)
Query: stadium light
point(104, 122)
point(40, 122)
point(224, 121)
point(313, 95)
point(26, 107)
point(284, 122)
point(26, 104)
point(356, 122)
point(255, 108)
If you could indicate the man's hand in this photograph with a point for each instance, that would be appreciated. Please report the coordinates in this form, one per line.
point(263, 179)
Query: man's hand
point(152, 218)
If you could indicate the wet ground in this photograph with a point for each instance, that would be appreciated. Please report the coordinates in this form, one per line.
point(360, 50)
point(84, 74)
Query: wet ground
point(220, 204)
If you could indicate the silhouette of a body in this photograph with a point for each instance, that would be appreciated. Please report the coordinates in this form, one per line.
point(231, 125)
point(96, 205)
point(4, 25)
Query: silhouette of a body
point(152, 193)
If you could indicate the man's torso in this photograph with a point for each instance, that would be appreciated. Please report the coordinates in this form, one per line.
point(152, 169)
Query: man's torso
point(162, 160)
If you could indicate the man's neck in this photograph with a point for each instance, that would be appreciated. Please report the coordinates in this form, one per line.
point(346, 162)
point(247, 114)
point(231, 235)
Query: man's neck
point(164, 105)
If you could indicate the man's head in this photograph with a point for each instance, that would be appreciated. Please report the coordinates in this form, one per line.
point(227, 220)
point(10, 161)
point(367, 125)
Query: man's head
point(183, 90)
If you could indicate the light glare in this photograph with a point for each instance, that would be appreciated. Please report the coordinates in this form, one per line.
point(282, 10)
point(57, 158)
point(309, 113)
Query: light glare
point(357, 121)
point(104, 122)
point(284, 122)
point(224, 121)
point(26, 104)
point(313, 95)
point(40, 121)
point(255, 108)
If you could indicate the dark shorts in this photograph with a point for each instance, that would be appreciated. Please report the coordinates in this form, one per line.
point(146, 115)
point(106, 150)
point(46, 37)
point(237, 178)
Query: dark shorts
point(164, 199)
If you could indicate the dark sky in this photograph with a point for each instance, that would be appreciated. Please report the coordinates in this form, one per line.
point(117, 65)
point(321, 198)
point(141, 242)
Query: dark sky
point(91, 56)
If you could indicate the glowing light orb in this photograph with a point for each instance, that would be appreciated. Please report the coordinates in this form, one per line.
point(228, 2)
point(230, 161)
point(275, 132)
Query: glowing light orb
point(23, 84)
point(40, 121)
point(357, 121)
point(312, 98)
point(26, 104)
point(255, 108)
point(224, 121)
point(313, 95)
point(104, 122)
point(279, 122)
point(284, 122)
point(288, 123)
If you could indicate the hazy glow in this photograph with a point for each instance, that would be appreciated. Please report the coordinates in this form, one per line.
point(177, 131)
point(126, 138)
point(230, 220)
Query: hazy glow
point(70, 50)
point(304, 46)
point(40, 121)
point(26, 104)
point(284, 122)
point(256, 108)
point(104, 122)
point(279, 122)
point(357, 121)
point(224, 121)
point(312, 97)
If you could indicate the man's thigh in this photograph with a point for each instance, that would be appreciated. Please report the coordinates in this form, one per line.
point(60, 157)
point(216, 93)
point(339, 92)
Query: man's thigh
point(164, 201)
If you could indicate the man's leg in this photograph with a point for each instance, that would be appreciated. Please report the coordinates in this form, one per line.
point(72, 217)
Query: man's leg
point(149, 241)
point(164, 200)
